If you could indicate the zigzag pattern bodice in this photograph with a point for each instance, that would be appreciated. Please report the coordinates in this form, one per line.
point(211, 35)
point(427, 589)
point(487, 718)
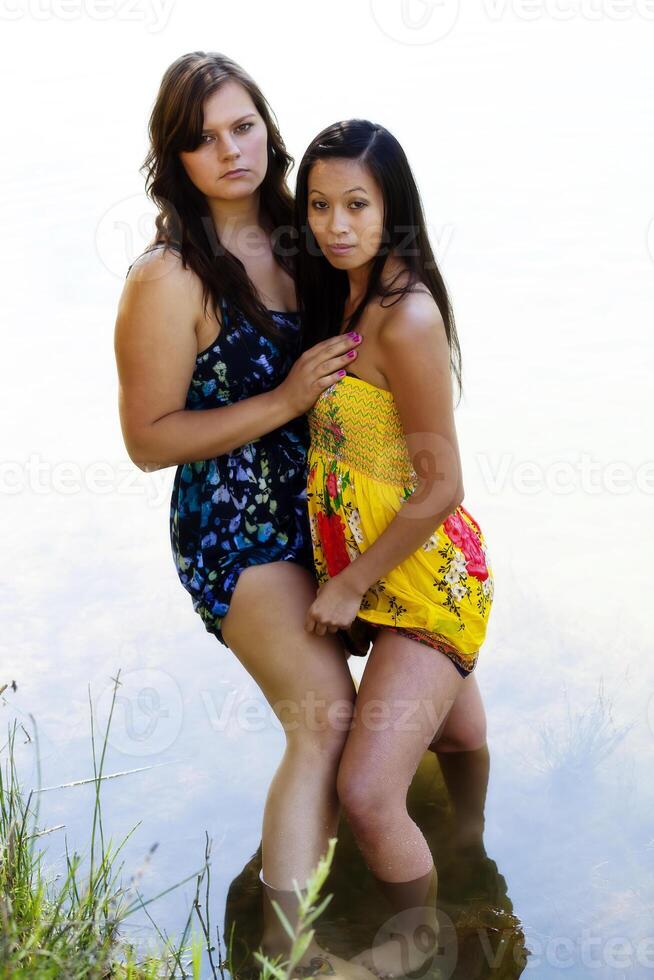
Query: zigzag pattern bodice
point(358, 423)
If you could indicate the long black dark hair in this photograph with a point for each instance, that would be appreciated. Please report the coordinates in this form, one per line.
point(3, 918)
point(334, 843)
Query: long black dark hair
point(322, 289)
point(183, 217)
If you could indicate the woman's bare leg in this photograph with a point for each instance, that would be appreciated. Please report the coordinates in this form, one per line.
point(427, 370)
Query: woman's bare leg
point(306, 680)
point(464, 727)
point(405, 692)
point(462, 752)
point(301, 676)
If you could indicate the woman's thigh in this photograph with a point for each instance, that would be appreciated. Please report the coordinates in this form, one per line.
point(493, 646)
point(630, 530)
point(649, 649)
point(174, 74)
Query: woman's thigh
point(304, 677)
point(464, 728)
point(405, 692)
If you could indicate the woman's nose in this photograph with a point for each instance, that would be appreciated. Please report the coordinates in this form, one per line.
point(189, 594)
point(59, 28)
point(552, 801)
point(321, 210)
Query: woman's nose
point(230, 149)
point(338, 222)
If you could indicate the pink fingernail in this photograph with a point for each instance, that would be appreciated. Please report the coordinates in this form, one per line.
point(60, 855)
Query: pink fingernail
point(351, 353)
point(341, 373)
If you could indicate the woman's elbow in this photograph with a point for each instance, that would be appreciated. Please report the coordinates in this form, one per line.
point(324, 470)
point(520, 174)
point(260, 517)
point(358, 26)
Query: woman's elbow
point(138, 452)
point(147, 465)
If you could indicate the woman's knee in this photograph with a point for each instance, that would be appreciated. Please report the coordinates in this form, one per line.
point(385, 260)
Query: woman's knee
point(367, 799)
point(316, 727)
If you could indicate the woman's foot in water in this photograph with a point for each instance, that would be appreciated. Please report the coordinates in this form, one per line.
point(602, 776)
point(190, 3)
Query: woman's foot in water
point(316, 960)
point(408, 952)
point(408, 942)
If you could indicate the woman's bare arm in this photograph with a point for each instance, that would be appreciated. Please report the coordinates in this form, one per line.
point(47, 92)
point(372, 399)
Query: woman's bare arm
point(414, 356)
point(156, 349)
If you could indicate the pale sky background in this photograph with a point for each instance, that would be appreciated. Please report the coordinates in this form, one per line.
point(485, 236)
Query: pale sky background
point(530, 130)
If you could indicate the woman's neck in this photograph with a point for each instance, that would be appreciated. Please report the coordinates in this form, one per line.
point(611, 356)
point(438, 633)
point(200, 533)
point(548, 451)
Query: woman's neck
point(360, 277)
point(237, 223)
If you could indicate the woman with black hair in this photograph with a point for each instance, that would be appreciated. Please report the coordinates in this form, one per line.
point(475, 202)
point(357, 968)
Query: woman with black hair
point(212, 381)
point(395, 551)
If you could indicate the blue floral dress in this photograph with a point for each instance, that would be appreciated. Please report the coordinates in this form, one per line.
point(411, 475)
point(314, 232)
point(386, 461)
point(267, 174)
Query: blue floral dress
point(248, 506)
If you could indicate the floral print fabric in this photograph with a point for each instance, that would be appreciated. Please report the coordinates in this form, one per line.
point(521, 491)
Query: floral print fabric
point(248, 506)
point(360, 475)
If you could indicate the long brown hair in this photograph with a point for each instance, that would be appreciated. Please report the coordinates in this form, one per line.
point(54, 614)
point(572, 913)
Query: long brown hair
point(322, 289)
point(183, 219)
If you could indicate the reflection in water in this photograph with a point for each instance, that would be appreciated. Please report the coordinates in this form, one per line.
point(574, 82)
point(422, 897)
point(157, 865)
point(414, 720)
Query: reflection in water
point(479, 934)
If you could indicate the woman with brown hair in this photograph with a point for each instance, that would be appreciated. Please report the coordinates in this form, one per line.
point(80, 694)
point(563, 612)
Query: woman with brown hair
point(213, 381)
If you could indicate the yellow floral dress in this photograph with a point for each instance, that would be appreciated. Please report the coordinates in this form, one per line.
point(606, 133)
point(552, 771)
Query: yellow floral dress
point(359, 476)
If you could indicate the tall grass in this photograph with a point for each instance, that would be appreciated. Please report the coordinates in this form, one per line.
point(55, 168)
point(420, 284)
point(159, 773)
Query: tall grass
point(587, 739)
point(70, 928)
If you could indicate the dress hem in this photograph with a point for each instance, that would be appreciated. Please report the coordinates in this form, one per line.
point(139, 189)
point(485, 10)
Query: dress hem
point(465, 663)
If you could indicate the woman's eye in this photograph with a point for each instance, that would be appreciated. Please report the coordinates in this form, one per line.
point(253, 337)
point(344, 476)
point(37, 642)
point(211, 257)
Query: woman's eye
point(244, 127)
point(317, 205)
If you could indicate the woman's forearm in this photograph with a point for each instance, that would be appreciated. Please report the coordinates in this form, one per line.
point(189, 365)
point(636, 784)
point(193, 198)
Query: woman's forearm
point(404, 535)
point(187, 436)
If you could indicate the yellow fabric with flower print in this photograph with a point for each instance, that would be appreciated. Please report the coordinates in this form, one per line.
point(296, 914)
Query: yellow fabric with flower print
point(360, 474)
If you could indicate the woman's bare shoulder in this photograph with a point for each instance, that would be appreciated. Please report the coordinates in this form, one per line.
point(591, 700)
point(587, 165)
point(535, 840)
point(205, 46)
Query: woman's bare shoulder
point(416, 309)
point(159, 295)
point(156, 263)
point(157, 280)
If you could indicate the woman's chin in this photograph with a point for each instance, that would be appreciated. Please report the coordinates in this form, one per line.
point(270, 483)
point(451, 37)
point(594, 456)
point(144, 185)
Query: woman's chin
point(347, 261)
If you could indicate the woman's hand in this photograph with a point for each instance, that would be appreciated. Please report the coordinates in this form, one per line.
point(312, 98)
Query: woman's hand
point(315, 370)
point(335, 607)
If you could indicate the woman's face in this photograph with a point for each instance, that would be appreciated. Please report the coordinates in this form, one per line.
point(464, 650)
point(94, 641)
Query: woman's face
point(345, 207)
point(234, 137)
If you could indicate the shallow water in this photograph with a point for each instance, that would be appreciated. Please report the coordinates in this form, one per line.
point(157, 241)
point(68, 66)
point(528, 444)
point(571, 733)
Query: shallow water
point(536, 182)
